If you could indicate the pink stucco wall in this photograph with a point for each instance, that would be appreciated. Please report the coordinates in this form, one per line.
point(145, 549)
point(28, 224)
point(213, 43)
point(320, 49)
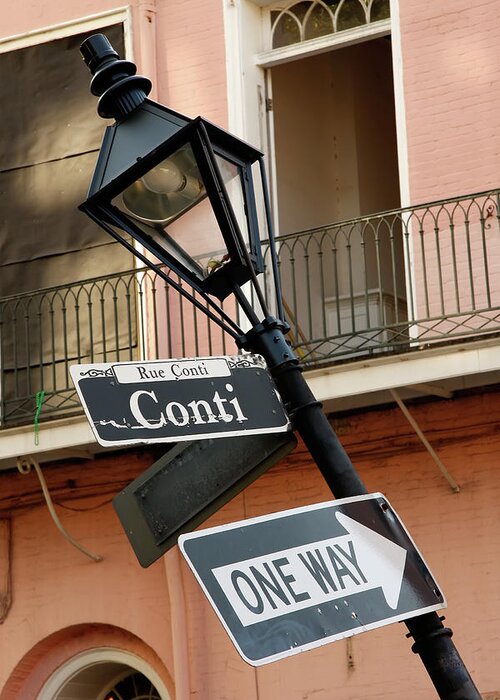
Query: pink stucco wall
point(31, 15)
point(56, 588)
point(191, 58)
point(451, 65)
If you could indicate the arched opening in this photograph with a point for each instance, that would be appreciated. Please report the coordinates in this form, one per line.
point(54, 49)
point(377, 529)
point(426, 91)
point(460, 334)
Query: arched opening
point(104, 674)
point(90, 662)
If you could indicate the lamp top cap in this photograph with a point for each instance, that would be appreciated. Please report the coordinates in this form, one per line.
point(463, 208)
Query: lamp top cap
point(95, 50)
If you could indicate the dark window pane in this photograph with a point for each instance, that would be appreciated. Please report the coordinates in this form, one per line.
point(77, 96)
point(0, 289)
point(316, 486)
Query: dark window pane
point(319, 23)
point(351, 14)
point(134, 687)
point(380, 10)
point(286, 31)
point(300, 9)
point(47, 162)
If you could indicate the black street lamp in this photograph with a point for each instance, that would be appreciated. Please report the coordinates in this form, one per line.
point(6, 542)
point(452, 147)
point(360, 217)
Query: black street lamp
point(157, 167)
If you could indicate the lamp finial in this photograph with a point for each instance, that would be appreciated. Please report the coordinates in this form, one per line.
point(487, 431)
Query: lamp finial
point(114, 81)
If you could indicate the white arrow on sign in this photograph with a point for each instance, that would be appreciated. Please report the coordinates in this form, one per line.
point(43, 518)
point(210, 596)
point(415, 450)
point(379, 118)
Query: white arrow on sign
point(384, 559)
point(278, 583)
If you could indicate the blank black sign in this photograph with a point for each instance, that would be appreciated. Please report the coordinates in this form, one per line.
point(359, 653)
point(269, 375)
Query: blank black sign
point(188, 484)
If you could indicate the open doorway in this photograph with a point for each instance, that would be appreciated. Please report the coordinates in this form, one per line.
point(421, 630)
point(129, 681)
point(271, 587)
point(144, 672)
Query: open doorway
point(334, 129)
point(335, 136)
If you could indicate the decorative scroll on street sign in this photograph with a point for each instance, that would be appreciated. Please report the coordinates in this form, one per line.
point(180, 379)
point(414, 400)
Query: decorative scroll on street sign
point(173, 400)
point(298, 579)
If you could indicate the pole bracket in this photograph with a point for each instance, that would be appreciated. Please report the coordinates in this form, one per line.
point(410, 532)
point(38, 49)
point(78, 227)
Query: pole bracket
point(419, 645)
point(268, 339)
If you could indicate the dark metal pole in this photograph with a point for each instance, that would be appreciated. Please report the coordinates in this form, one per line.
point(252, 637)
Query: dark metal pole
point(432, 641)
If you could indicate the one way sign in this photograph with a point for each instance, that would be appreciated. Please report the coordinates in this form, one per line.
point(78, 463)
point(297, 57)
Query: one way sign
point(301, 578)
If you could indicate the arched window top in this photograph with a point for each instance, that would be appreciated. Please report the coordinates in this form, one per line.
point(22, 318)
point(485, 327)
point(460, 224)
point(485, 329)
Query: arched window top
point(310, 19)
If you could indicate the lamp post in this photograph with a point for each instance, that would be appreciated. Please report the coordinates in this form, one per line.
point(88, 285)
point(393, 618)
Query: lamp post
point(157, 167)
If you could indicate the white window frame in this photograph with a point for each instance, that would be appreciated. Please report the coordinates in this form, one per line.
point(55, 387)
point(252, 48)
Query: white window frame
point(311, 47)
point(80, 662)
point(89, 24)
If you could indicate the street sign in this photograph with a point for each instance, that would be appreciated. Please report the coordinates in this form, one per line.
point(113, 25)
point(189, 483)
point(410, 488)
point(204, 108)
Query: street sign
point(188, 484)
point(295, 580)
point(131, 403)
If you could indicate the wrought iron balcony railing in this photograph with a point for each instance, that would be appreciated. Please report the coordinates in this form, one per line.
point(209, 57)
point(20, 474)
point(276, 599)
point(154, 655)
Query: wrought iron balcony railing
point(392, 282)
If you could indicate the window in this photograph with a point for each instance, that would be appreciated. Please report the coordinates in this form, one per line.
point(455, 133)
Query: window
point(50, 139)
point(51, 136)
point(312, 19)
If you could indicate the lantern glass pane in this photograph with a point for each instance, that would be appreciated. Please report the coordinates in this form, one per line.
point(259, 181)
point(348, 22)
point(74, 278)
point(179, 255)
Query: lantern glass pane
point(170, 204)
point(166, 191)
point(231, 175)
point(199, 235)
